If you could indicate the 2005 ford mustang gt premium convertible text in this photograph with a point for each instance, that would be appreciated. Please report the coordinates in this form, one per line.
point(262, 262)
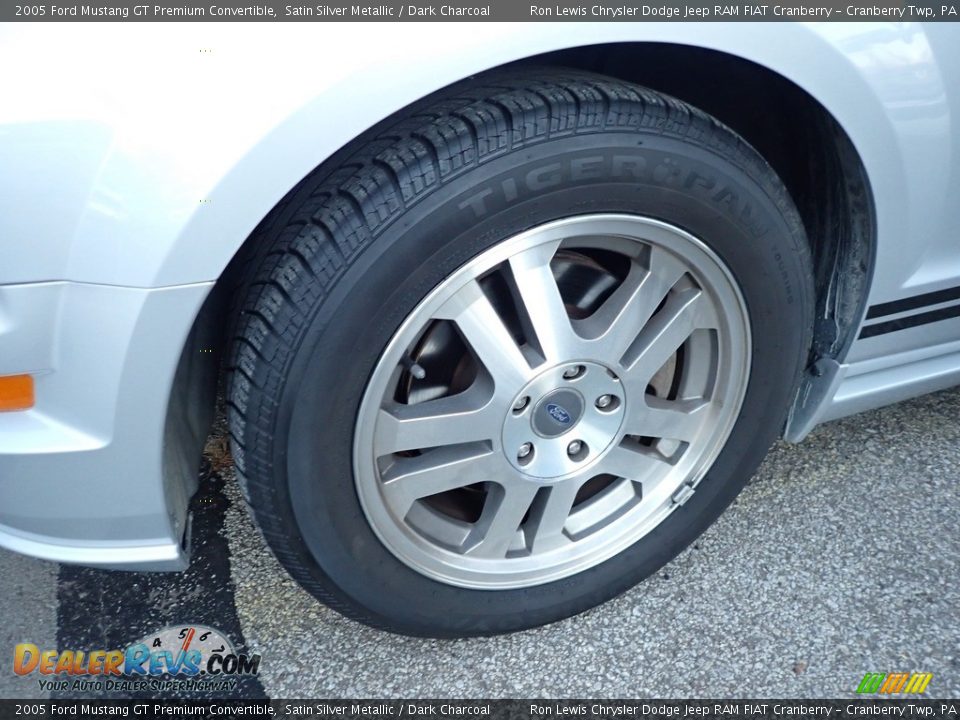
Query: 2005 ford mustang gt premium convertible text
point(505, 320)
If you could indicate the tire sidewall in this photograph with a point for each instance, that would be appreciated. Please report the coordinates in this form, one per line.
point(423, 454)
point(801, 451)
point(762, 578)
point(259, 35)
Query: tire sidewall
point(693, 187)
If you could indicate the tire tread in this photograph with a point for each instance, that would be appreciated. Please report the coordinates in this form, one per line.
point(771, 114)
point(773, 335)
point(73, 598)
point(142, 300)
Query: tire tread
point(299, 252)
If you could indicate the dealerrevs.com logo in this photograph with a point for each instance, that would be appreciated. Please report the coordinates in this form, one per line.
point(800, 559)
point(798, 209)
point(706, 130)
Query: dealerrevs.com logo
point(179, 657)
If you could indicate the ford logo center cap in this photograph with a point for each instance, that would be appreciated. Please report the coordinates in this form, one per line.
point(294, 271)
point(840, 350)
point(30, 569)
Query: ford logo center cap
point(558, 414)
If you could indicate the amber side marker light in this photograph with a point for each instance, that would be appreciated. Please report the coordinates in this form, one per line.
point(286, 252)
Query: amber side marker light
point(16, 392)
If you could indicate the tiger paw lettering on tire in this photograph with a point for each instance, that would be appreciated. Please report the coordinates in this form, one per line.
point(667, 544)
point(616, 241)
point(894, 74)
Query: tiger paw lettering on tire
point(513, 351)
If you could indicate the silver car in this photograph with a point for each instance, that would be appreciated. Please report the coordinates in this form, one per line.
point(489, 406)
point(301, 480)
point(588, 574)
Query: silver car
point(505, 315)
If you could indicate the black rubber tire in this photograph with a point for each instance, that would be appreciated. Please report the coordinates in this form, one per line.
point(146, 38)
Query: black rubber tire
point(351, 251)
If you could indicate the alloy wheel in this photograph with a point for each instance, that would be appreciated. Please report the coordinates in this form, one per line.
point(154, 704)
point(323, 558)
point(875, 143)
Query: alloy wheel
point(552, 402)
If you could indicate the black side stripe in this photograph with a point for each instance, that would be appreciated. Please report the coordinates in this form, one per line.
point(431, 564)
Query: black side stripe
point(912, 303)
point(910, 321)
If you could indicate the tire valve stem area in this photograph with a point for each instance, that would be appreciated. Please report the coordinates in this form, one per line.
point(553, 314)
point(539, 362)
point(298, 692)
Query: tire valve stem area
point(414, 368)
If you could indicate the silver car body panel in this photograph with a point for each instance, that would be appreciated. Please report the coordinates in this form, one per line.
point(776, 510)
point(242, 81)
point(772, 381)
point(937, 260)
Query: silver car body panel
point(127, 186)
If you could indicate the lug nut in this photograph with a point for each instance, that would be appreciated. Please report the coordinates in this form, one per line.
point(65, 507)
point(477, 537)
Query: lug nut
point(524, 450)
point(574, 447)
point(572, 372)
point(604, 401)
point(521, 403)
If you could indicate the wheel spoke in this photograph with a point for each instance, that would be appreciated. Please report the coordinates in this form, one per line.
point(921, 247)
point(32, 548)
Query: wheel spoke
point(446, 468)
point(545, 526)
point(683, 313)
point(631, 464)
point(451, 420)
point(623, 315)
point(671, 419)
point(485, 331)
point(537, 291)
point(502, 514)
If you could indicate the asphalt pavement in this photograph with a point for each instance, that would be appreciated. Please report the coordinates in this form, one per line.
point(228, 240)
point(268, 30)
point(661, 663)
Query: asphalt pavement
point(841, 557)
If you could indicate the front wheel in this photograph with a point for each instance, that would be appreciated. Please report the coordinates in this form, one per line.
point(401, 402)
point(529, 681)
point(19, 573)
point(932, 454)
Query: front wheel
point(515, 353)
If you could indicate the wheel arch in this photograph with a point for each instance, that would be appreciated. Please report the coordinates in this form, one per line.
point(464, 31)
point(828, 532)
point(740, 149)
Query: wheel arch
point(838, 217)
point(796, 134)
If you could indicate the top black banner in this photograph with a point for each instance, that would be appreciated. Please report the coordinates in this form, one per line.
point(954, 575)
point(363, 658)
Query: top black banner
point(479, 10)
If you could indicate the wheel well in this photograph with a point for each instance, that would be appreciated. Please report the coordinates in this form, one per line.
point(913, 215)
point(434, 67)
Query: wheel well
point(799, 138)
